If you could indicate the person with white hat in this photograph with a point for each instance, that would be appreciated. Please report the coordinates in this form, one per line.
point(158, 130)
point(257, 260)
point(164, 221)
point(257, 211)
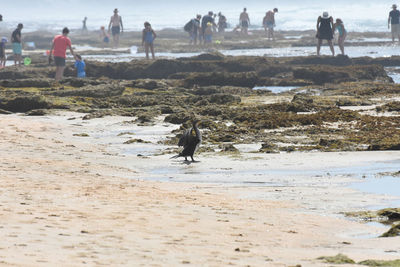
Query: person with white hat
point(394, 22)
point(324, 31)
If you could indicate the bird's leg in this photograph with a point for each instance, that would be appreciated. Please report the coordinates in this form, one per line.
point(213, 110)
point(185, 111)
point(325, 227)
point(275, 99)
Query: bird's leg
point(192, 159)
point(186, 159)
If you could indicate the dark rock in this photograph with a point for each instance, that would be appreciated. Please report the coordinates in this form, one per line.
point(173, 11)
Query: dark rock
point(24, 104)
point(268, 148)
point(245, 79)
point(98, 91)
point(177, 118)
point(209, 56)
point(329, 143)
point(224, 99)
point(384, 146)
point(339, 60)
point(391, 214)
point(145, 117)
point(166, 109)
point(5, 112)
point(301, 103)
point(393, 232)
point(22, 83)
point(228, 148)
point(320, 75)
point(37, 112)
point(330, 74)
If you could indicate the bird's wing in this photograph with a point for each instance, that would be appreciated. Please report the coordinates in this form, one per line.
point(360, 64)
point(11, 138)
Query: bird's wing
point(185, 138)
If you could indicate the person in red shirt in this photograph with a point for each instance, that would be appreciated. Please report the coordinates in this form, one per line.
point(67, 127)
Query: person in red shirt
point(59, 50)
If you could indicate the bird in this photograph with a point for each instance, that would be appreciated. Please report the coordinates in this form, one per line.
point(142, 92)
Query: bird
point(190, 142)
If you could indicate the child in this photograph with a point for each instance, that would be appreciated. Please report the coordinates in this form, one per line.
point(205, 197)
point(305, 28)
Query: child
point(3, 57)
point(339, 26)
point(208, 33)
point(105, 39)
point(148, 37)
point(80, 66)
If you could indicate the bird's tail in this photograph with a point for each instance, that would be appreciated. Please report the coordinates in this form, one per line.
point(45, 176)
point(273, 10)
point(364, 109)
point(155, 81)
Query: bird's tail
point(175, 157)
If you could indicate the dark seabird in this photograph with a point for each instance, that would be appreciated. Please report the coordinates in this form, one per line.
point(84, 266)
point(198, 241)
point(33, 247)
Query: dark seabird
point(189, 142)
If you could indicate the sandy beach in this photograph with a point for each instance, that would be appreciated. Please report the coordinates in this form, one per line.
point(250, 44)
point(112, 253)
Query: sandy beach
point(70, 200)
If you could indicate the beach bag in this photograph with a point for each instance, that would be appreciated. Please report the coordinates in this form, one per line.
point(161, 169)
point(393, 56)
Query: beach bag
point(188, 26)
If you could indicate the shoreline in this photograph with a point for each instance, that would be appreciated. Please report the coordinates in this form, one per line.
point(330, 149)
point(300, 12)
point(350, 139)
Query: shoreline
point(87, 204)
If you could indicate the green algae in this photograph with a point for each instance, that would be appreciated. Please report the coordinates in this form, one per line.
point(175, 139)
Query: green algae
point(394, 263)
point(338, 259)
point(133, 141)
point(81, 135)
point(393, 232)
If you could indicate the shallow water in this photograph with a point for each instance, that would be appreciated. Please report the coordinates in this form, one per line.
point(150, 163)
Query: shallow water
point(276, 89)
point(369, 40)
point(393, 74)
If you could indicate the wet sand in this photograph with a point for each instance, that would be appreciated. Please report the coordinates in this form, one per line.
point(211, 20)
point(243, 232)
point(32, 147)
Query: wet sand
point(73, 201)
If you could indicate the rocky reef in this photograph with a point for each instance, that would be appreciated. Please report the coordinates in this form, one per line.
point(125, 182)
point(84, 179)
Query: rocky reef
point(337, 103)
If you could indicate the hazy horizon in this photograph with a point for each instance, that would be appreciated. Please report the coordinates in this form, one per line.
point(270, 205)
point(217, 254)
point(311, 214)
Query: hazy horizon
point(367, 15)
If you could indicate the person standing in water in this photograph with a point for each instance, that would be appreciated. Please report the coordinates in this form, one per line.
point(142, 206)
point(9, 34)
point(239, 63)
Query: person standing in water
point(222, 23)
point(60, 45)
point(339, 26)
point(116, 27)
point(204, 21)
point(104, 37)
point(244, 21)
point(269, 23)
point(324, 31)
point(394, 22)
point(16, 40)
point(84, 27)
point(3, 56)
point(148, 37)
point(195, 31)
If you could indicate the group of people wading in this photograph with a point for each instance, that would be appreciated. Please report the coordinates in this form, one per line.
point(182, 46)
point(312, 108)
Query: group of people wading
point(202, 28)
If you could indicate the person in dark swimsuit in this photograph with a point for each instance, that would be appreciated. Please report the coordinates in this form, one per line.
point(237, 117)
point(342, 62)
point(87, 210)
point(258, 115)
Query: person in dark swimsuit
point(325, 32)
point(148, 36)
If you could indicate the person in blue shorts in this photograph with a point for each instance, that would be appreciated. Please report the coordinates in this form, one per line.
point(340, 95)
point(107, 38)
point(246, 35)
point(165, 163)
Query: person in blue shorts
point(208, 33)
point(16, 40)
point(148, 36)
point(104, 37)
point(80, 66)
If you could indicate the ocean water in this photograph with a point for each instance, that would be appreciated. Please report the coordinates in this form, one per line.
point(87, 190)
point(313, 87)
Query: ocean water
point(366, 15)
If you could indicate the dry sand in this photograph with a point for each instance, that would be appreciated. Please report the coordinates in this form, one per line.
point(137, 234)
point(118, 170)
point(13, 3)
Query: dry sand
point(75, 201)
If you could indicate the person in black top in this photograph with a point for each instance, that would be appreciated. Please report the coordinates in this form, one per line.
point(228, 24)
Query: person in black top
point(84, 27)
point(16, 41)
point(222, 24)
point(205, 20)
point(394, 22)
point(325, 32)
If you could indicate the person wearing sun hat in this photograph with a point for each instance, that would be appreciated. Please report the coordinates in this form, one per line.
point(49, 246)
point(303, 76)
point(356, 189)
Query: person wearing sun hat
point(116, 27)
point(208, 33)
point(324, 31)
point(394, 22)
